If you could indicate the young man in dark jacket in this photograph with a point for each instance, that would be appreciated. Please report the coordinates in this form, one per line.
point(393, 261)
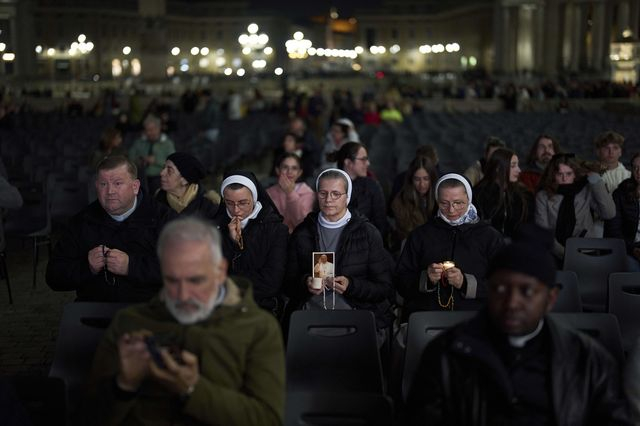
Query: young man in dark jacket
point(108, 252)
point(512, 364)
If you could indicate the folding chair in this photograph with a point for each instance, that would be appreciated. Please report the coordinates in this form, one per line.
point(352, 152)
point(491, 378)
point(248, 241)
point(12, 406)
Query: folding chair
point(593, 259)
point(337, 409)
point(333, 351)
point(569, 293)
point(424, 327)
point(624, 303)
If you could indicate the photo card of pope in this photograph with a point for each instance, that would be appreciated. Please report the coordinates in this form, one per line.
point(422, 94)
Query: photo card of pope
point(323, 268)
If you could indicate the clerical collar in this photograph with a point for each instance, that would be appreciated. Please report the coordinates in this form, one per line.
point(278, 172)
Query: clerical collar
point(122, 217)
point(520, 341)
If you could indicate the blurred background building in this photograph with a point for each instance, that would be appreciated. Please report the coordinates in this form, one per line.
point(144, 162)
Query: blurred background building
point(94, 40)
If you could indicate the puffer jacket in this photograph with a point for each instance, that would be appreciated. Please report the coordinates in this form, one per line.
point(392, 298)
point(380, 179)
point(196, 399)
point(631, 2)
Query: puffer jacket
point(625, 223)
point(470, 246)
point(368, 199)
point(462, 381)
point(263, 258)
point(360, 257)
point(240, 361)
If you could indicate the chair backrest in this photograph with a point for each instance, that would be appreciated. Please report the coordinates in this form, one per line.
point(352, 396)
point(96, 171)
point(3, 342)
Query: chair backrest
point(422, 328)
point(337, 409)
point(603, 327)
point(624, 303)
point(569, 294)
point(333, 351)
point(81, 328)
point(593, 259)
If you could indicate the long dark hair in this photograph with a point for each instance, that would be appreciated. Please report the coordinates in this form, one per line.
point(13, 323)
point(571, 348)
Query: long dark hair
point(531, 158)
point(497, 172)
point(408, 194)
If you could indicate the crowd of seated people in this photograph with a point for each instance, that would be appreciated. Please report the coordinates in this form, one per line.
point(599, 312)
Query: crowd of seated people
point(438, 251)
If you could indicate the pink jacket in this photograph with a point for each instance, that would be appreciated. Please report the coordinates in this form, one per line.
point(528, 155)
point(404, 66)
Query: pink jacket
point(294, 207)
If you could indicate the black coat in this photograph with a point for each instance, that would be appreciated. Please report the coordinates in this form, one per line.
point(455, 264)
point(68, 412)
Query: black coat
point(516, 210)
point(360, 257)
point(463, 381)
point(470, 246)
point(68, 268)
point(625, 223)
point(368, 199)
point(264, 255)
point(200, 206)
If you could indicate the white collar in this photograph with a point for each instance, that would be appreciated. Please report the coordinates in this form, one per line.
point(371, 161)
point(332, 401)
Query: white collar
point(520, 341)
point(256, 209)
point(322, 221)
point(122, 217)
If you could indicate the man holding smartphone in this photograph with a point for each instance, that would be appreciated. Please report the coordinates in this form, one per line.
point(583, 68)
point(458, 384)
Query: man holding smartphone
point(199, 352)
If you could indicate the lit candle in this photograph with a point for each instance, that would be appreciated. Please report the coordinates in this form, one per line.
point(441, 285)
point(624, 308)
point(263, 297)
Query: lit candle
point(448, 264)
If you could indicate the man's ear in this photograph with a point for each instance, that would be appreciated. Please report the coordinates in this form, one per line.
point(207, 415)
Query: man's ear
point(136, 186)
point(553, 297)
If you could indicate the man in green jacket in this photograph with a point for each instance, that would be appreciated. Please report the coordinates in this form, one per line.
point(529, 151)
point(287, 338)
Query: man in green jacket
point(150, 152)
point(219, 358)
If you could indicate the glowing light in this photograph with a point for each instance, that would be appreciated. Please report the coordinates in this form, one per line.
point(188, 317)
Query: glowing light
point(184, 67)
point(278, 71)
point(203, 62)
point(252, 28)
point(243, 39)
point(96, 78)
point(320, 52)
point(311, 51)
point(627, 33)
point(220, 61)
point(464, 61)
point(82, 38)
point(220, 52)
point(175, 51)
point(136, 67)
point(8, 56)
point(38, 49)
point(126, 50)
point(473, 61)
point(236, 62)
point(90, 46)
point(263, 39)
point(204, 51)
point(171, 71)
point(228, 71)
point(116, 68)
point(259, 64)
point(246, 50)
point(394, 49)
point(3, 46)
point(268, 50)
point(359, 50)
point(51, 51)
point(298, 35)
point(356, 67)
point(195, 51)
point(240, 72)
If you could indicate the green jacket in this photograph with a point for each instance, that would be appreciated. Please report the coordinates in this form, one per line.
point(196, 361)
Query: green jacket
point(160, 150)
point(241, 356)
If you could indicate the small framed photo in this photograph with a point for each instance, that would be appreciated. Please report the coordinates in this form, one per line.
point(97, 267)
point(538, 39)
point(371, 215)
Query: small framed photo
point(323, 269)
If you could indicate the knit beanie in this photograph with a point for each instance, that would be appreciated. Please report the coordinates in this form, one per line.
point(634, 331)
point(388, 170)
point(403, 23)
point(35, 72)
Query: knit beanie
point(529, 254)
point(189, 167)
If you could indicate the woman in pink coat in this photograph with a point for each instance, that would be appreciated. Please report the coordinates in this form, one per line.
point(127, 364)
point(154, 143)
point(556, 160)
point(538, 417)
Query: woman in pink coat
point(294, 200)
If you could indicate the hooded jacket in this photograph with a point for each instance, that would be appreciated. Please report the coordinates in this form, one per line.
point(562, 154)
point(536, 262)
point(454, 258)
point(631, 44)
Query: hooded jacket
point(68, 268)
point(240, 359)
point(360, 257)
point(463, 381)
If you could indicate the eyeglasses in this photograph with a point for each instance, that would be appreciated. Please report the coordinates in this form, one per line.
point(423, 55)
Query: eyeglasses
point(289, 168)
point(333, 195)
point(457, 205)
point(362, 158)
point(243, 204)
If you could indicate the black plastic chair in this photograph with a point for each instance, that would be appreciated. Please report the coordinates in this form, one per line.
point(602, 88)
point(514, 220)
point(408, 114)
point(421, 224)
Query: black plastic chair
point(422, 328)
point(624, 303)
point(338, 409)
point(593, 259)
point(569, 293)
point(601, 326)
point(81, 328)
point(331, 351)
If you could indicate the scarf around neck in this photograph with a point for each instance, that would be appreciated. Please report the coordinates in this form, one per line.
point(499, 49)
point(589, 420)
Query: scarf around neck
point(566, 221)
point(470, 216)
point(181, 203)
